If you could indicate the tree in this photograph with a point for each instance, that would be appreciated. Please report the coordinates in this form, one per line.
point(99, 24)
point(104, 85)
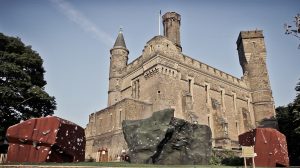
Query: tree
point(22, 92)
point(289, 124)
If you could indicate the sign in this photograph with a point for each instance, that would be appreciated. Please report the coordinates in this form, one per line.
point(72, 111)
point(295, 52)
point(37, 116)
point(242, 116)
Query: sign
point(248, 151)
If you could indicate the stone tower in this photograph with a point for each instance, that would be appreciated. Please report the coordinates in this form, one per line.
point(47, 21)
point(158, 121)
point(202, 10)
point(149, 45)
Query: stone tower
point(118, 61)
point(171, 22)
point(252, 56)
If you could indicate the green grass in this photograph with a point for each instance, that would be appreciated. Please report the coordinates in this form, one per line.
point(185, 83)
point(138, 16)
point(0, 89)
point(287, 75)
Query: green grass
point(118, 164)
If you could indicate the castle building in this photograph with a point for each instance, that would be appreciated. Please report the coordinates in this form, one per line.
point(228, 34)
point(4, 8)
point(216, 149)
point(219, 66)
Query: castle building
point(163, 77)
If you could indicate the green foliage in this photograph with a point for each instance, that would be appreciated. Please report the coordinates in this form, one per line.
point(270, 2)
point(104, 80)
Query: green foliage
point(289, 124)
point(225, 157)
point(22, 93)
point(233, 161)
point(215, 160)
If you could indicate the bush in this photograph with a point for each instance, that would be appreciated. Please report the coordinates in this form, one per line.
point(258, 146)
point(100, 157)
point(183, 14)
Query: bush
point(233, 161)
point(225, 157)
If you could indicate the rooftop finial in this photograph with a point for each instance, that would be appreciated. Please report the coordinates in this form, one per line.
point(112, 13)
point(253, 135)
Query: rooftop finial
point(121, 29)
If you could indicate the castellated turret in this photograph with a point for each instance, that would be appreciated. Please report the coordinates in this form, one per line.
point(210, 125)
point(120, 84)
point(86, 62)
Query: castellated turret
point(118, 61)
point(252, 56)
point(171, 22)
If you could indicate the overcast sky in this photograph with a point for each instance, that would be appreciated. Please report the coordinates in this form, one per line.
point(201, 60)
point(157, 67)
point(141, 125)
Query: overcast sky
point(74, 39)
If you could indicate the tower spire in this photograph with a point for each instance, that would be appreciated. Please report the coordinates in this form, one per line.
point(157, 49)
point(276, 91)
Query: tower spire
point(118, 62)
point(120, 42)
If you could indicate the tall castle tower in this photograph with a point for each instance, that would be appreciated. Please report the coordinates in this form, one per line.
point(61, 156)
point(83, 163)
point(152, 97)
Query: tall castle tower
point(118, 61)
point(171, 22)
point(252, 56)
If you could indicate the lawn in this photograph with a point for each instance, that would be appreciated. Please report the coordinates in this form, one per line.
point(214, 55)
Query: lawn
point(107, 164)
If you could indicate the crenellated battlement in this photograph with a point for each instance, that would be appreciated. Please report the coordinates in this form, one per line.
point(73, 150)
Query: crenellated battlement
point(250, 35)
point(194, 64)
point(160, 46)
point(212, 71)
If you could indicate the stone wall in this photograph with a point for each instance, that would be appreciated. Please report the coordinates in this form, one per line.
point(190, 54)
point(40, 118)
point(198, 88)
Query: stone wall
point(104, 129)
point(166, 83)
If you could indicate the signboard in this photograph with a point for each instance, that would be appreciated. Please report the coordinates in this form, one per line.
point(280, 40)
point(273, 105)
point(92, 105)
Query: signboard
point(248, 151)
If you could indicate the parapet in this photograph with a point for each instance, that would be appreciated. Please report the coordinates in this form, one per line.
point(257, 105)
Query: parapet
point(212, 71)
point(249, 35)
point(160, 45)
point(170, 15)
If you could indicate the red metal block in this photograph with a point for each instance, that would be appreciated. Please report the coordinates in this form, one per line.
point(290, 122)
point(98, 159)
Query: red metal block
point(47, 139)
point(269, 145)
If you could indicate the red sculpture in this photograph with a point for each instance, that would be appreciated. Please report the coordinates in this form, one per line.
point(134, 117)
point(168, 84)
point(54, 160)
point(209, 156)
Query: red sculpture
point(269, 145)
point(47, 139)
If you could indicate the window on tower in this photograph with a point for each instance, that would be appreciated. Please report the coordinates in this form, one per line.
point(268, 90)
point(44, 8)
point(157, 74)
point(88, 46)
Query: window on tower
point(135, 89)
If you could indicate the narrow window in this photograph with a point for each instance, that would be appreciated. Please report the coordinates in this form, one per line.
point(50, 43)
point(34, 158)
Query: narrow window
point(190, 85)
point(111, 120)
point(248, 103)
point(234, 103)
point(135, 89)
point(226, 128)
point(208, 121)
point(223, 98)
point(138, 89)
point(132, 89)
point(207, 88)
point(237, 127)
point(254, 44)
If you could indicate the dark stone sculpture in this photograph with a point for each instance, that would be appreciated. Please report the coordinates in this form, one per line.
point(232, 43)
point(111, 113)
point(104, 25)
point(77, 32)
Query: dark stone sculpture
point(47, 139)
point(164, 139)
point(269, 145)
